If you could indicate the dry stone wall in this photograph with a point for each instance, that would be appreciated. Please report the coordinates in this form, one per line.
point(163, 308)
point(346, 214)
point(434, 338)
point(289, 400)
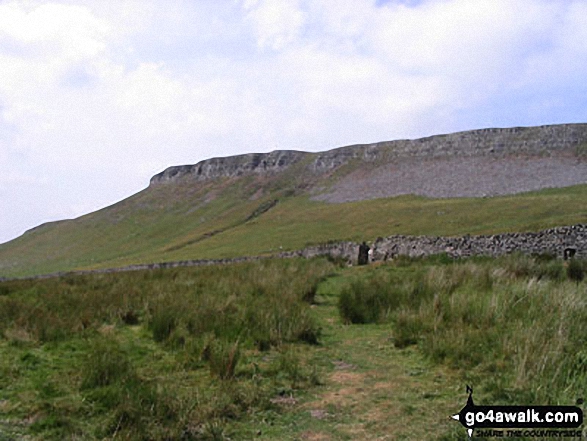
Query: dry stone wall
point(551, 241)
point(341, 250)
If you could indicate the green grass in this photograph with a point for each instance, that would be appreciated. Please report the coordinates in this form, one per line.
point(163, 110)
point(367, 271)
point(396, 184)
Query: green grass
point(267, 350)
point(201, 221)
point(206, 349)
point(520, 319)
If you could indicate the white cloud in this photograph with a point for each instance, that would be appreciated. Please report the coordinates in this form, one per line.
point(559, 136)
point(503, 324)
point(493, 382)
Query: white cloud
point(276, 22)
point(70, 29)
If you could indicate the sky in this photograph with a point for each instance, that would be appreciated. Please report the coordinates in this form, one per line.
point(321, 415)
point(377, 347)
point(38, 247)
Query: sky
point(98, 96)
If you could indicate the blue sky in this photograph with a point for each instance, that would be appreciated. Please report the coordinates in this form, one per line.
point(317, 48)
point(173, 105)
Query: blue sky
point(98, 96)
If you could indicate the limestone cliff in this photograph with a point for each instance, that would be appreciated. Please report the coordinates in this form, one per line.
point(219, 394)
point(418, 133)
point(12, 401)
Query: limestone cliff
point(231, 166)
point(568, 139)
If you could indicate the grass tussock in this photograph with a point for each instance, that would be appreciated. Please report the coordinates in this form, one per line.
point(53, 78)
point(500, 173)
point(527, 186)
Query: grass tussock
point(264, 302)
point(222, 358)
point(576, 270)
point(207, 353)
point(373, 298)
point(520, 319)
point(107, 363)
point(176, 354)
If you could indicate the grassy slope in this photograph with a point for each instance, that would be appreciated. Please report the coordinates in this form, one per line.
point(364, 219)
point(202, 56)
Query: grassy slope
point(174, 222)
point(300, 221)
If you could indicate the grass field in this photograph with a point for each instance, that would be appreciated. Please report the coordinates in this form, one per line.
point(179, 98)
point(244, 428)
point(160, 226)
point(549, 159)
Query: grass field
point(288, 349)
point(226, 219)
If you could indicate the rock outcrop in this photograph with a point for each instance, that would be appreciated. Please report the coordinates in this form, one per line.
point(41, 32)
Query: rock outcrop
point(231, 166)
point(493, 143)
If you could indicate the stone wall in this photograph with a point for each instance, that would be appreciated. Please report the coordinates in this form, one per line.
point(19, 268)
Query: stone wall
point(340, 250)
point(551, 241)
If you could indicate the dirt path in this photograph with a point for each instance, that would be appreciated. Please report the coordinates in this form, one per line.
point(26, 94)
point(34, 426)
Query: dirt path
point(373, 391)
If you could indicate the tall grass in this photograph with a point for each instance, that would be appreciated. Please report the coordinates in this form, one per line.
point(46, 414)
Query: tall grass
point(107, 363)
point(209, 321)
point(373, 298)
point(517, 324)
point(263, 302)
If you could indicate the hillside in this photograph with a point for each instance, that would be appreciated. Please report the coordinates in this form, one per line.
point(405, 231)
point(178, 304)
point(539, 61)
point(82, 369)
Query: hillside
point(482, 181)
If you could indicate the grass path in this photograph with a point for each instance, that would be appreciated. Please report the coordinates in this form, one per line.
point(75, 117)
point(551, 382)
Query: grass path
point(370, 390)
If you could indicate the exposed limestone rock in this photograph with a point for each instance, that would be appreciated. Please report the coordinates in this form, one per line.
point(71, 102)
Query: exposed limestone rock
point(454, 176)
point(493, 143)
point(231, 166)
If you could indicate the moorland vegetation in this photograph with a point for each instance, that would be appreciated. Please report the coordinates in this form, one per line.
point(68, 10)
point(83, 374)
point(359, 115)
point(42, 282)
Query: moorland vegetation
point(267, 349)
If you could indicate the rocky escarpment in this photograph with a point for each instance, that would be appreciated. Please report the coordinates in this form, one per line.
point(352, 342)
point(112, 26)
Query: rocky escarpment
point(231, 166)
point(488, 143)
point(480, 163)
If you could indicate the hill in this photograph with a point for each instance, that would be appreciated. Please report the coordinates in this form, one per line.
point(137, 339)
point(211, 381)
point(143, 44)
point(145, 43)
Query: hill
point(475, 182)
